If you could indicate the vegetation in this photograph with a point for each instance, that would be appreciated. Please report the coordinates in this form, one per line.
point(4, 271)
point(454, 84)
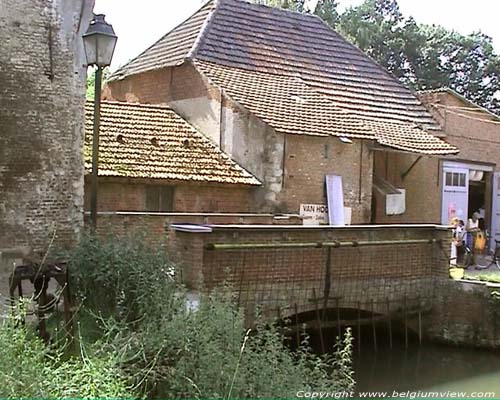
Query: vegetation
point(486, 277)
point(90, 85)
point(421, 56)
point(134, 321)
point(28, 368)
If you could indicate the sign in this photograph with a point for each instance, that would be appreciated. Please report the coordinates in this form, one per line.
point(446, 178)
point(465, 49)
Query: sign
point(314, 214)
point(335, 197)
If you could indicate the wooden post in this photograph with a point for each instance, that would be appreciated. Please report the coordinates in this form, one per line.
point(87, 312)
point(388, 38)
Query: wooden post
point(297, 334)
point(420, 327)
point(389, 322)
point(405, 322)
point(373, 326)
point(359, 327)
point(339, 330)
point(322, 343)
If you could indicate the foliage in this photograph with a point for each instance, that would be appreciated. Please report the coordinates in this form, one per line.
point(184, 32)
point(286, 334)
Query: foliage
point(90, 86)
point(485, 277)
point(169, 350)
point(31, 369)
point(294, 5)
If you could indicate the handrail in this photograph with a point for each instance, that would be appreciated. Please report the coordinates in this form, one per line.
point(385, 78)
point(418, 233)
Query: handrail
point(335, 244)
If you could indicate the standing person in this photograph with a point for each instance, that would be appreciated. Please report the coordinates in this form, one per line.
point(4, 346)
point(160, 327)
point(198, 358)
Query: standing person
point(472, 230)
point(453, 254)
point(458, 235)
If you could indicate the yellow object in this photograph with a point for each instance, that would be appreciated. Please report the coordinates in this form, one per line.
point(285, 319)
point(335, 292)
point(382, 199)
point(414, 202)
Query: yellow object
point(456, 273)
point(480, 241)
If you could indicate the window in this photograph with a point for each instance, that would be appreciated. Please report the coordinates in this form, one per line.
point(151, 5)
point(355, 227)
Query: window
point(455, 179)
point(159, 198)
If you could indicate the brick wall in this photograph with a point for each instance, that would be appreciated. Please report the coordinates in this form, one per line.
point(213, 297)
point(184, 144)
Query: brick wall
point(149, 88)
point(478, 141)
point(156, 226)
point(280, 279)
point(42, 89)
point(256, 146)
point(422, 185)
point(122, 195)
point(309, 159)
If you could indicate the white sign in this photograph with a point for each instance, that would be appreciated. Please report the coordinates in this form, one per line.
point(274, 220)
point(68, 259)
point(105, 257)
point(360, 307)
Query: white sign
point(314, 214)
point(335, 197)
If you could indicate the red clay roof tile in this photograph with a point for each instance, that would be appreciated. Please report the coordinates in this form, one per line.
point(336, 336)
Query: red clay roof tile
point(144, 141)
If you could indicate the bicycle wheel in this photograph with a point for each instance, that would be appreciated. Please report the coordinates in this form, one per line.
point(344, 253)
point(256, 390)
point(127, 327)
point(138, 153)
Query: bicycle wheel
point(483, 261)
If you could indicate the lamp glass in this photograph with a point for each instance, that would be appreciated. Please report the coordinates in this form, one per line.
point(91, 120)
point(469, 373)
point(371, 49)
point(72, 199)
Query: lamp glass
point(99, 49)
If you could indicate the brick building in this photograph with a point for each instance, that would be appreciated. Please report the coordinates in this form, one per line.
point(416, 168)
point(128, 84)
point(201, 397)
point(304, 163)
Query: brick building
point(42, 87)
point(152, 160)
point(285, 97)
point(439, 188)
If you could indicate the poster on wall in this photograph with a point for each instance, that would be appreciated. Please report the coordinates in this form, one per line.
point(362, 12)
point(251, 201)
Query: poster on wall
point(335, 197)
point(452, 210)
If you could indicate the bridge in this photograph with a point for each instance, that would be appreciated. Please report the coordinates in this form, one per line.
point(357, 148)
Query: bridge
point(303, 272)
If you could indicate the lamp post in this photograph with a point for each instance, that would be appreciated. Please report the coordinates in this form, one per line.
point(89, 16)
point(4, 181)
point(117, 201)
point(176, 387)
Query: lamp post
point(99, 42)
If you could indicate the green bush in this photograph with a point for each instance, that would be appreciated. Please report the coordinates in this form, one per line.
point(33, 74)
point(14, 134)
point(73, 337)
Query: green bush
point(170, 351)
point(28, 368)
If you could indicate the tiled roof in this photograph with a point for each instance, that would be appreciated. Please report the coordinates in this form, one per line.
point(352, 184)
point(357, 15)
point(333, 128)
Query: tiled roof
point(296, 74)
point(272, 40)
point(139, 141)
point(171, 49)
point(290, 106)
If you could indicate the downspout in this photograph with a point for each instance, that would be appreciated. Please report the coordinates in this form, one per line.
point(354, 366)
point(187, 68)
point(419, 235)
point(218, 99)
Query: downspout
point(222, 136)
point(360, 170)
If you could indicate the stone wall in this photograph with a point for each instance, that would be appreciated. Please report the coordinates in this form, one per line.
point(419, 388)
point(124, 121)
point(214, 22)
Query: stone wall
point(42, 89)
point(465, 314)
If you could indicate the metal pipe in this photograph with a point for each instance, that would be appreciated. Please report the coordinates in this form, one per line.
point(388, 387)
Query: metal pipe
point(95, 147)
point(243, 246)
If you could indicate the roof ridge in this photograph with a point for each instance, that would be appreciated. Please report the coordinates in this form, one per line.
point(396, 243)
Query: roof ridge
point(199, 38)
point(130, 104)
point(452, 92)
point(116, 74)
point(279, 9)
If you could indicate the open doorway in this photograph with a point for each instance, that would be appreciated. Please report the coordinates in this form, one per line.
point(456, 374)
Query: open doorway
point(480, 196)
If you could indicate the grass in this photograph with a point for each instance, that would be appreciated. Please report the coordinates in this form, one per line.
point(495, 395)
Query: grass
point(486, 277)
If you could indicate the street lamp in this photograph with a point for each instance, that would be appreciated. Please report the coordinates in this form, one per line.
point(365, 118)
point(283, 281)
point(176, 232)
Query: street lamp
point(99, 42)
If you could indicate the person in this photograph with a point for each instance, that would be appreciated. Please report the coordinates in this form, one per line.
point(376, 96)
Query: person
point(459, 240)
point(472, 229)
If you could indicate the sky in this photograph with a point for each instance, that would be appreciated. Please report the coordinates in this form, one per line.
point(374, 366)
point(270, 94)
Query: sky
point(140, 23)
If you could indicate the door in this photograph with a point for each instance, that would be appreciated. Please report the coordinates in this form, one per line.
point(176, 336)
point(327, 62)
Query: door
point(495, 210)
point(455, 194)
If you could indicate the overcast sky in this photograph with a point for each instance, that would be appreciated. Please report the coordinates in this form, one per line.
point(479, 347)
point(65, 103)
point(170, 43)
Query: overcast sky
point(139, 23)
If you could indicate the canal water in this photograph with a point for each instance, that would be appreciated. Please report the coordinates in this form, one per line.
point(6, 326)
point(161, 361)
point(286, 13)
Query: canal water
point(426, 367)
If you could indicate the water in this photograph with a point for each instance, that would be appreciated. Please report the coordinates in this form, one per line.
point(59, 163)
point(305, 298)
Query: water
point(428, 367)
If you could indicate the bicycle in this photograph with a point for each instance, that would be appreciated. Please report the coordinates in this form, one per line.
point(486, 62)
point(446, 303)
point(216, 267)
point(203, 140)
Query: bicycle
point(482, 261)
